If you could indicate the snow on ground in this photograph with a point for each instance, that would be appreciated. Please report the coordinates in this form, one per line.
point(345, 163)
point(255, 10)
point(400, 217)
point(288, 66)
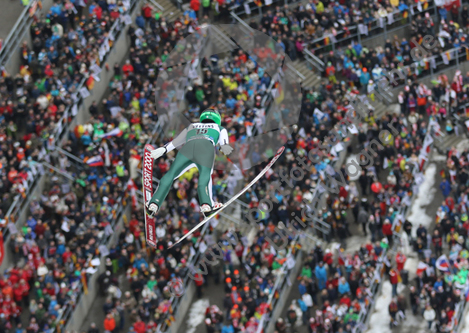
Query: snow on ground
point(379, 321)
point(436, 157)
point(465, 329)
point(425, 196)
point(354, 243)
point(197, 314)
point(411, 266)
point(354, 173)
point(405, 246)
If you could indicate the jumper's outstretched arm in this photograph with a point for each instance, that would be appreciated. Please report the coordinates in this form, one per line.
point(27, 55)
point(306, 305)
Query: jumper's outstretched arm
point(224, 143)
point(178, 141)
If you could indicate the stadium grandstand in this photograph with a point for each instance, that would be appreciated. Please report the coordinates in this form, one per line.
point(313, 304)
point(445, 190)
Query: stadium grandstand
point(85, 85)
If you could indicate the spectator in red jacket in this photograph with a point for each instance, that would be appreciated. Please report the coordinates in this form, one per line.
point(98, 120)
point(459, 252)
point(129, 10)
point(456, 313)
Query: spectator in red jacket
point(387, 230)
point(328, 258)
point(147, 12)
point(127, 68)
point(394, 278)
point(139, 326)
point(199, 282)
point(195, 5)
point(109, 323)
point(400, 260)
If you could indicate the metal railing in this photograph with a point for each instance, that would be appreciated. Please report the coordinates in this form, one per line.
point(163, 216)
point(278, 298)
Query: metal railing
point(253, 8)
point(459, 316)
point(280, 282)
point(437, 63)
point(156, 4)
point(314, 61)
point(376, 26)
point(17, 33)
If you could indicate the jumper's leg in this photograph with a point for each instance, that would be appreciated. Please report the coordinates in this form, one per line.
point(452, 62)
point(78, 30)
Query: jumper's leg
point(180, 163)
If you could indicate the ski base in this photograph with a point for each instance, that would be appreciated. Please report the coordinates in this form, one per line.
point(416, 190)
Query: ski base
point(147, 173)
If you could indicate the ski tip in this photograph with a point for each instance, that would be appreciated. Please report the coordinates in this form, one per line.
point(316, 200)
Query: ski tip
point(149, 147)
point(280, 150)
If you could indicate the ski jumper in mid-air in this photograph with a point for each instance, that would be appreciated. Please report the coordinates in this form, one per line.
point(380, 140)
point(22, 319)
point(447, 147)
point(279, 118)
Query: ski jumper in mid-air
point(199, 141)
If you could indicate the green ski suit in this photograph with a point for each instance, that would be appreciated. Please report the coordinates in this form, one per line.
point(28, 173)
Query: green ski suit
point(199, 140)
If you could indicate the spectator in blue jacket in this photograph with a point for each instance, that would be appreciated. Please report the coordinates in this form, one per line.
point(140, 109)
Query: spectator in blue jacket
point(445, 187)
point(227, 329)
point(139, 261)
point(344, 287)
point(321, 275)
point(302, 287)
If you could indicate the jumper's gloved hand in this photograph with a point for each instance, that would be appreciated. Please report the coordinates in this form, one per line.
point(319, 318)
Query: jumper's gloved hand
point(226, 149)
point(157, 153)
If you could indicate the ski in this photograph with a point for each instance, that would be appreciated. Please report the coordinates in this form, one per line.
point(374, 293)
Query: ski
point(259, 176)
point(147, 175)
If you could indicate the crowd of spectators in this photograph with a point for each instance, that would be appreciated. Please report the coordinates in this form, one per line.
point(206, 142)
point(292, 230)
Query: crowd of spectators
point(363, 66)
point(358, 65)
point(120, 156)
point(69, 220)
point(440, 282)
point(66, 43)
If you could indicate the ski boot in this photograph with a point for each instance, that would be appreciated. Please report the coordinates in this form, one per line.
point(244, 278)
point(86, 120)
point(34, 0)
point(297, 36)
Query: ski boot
point(207, 210)
point(152, 209)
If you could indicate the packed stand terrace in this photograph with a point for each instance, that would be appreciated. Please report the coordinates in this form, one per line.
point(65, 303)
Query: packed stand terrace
point(377, 218)
point(61, 219)
point(343, 285)
point(442, 272)
point(64, 47)
point(364, 66)
point(319, 22)
point(295, 28)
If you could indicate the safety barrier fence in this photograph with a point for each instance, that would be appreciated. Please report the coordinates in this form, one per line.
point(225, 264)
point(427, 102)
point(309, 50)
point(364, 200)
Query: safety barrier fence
point(10, 45)
point(433, 65)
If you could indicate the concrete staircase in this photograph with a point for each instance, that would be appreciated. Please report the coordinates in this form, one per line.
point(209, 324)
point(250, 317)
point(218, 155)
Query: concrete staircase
point(311, 79)
point(380, 109)
point(220, 41)
point(168, 9)
point(445, 143)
